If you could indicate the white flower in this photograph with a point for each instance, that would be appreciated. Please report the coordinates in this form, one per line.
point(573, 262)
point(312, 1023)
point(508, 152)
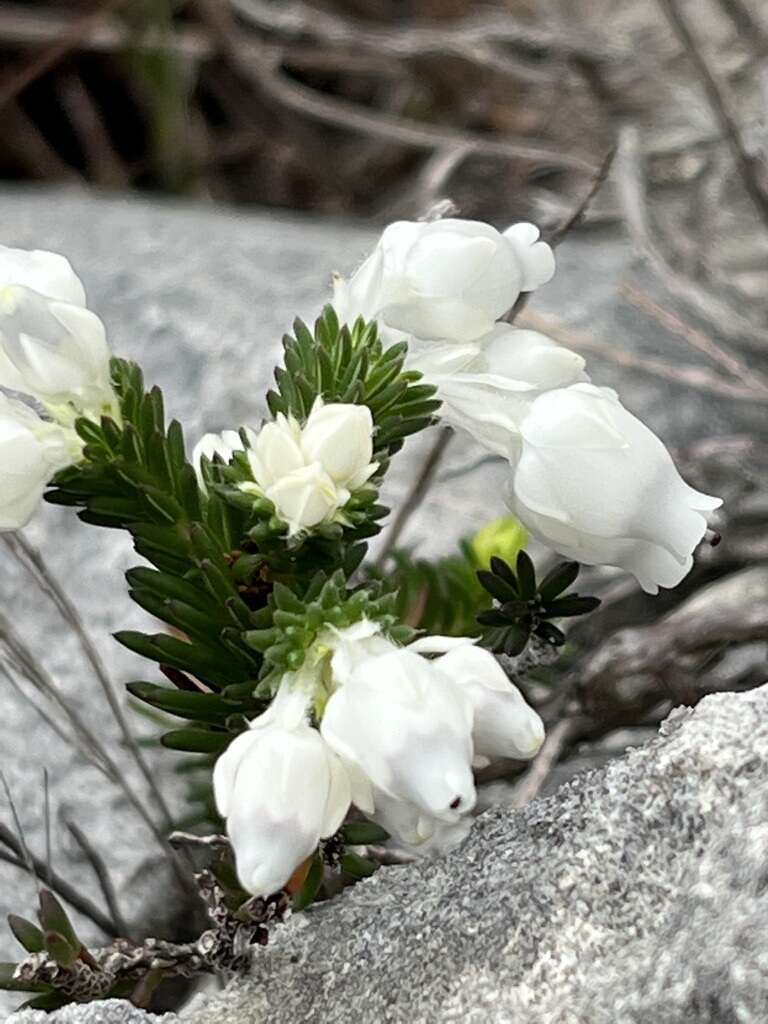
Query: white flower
point(281, 789)
point(51, 347)
point(306, 497)
point(46, 273)
point(403, 724)
point(597, 485)
point(276, 451)
point(31, 452)
point(504, 725)
point(340, 437)
point(224, 445)
point(309, 474)
point(447, 279)
point(408, 825)
point(487, 387)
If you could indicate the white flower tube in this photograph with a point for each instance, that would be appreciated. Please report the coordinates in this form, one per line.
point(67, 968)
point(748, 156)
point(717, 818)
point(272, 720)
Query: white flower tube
point(32, 451)
point(281, 790)
point(597, 485)
point(487, 388)
point(401, 722)
point(504, 725)
point(446, 279)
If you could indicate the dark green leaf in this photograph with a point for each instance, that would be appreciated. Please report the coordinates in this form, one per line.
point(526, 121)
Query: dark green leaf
point(497, 587)
point(572, 605)
point(558, 579)
point(357, 866)
point(26, 933)
point(196, 741)
point(53, 918)
point(362, 833)
point(526, 576)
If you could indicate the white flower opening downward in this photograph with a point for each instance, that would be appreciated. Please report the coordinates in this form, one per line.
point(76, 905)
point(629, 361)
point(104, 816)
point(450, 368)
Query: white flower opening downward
point(53, 351)
point(587, 477)
point(398, 736)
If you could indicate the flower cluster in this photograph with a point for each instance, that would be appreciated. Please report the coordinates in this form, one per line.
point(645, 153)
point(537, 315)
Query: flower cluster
point(308, 473)
point(587, 477)
point(53, 351)
point(398, 734)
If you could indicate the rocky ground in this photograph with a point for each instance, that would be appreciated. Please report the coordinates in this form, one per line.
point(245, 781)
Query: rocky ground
point(635, 893)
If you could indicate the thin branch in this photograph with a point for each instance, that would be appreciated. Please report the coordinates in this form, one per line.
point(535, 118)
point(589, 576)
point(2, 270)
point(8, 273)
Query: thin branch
point(728, 321)
point(47, 822)
point(101, 871)
point(574, 218)
point(45, 684)
point(30, 558)
point(560, 736)
point(16, 83)
point(688, 376)
point(67, 891)
point(416, 494)
point(478, 38)
point(751, 169)
point(262, 63)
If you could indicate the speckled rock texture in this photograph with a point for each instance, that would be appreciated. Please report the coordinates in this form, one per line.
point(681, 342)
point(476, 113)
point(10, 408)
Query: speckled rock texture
point(635, 894)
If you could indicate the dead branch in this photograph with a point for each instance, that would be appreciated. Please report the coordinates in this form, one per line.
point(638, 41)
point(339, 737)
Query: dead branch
point(751, 169)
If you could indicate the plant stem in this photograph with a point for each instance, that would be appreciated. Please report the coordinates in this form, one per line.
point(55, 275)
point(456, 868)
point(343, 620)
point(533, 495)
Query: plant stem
point(416, 494)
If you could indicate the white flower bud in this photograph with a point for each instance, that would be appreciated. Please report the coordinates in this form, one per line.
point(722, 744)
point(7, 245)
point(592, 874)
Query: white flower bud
point(597, 485)
point(306, 497)
point(445, 279)
point(54, 351)
point(309, 474)
point(504, 725)
point(340, 436)
point(276, 451)
point(400, 720)
point(32, 451)
point(281, 790)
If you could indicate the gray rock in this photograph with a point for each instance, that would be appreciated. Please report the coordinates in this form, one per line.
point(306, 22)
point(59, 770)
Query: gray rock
point(636, 893)
point(110, 1011)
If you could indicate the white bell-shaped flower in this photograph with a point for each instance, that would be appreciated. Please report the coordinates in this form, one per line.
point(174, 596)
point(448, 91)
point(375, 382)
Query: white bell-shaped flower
point(487, 388)
point(32, 451)
point(340, 437)
point(281, 789)
point(54, 351)
point(594, 483)
point(46, 273)
point(446, 279)
point(306, 497)
point(504, 724)
point(401, 722)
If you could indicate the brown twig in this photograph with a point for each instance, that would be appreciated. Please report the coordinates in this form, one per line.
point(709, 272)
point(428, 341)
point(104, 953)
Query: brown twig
point(103, 876)
point(27, 555)
point(67, 891)
point(416, 494)
point(751, 169)
point(728, 321)
point(16, 83)
point(560, 736)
